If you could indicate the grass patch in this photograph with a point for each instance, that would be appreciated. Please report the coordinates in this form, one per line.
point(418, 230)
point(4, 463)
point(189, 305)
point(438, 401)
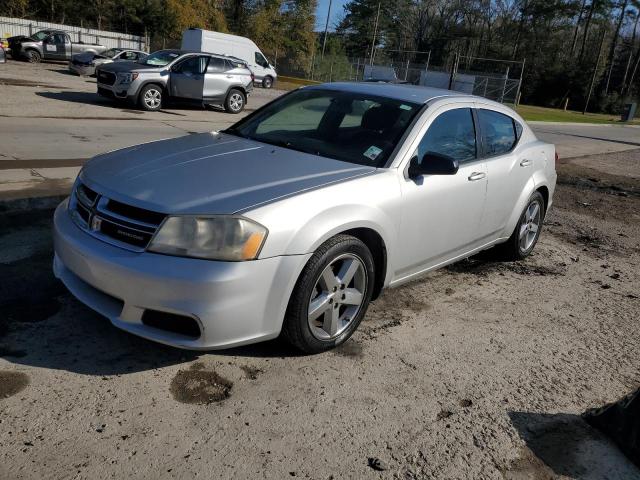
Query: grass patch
point(542, 114)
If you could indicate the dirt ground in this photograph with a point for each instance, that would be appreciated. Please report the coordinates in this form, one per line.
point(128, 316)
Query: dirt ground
point(480, 370)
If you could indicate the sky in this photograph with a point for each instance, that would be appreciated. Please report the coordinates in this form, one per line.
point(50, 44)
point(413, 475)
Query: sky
point(321, 13)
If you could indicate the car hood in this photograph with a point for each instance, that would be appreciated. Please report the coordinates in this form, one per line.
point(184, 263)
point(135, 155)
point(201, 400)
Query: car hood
point(116, 67)
point(210, 173)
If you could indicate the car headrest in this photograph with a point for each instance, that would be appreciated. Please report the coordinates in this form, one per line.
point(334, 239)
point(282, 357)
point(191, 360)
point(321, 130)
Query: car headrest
point(379, 118)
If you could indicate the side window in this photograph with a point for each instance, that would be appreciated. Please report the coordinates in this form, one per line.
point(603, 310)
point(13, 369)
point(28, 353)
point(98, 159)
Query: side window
point(498, 132)
point(192, 65)
point(260, 60)
point(217, 65)
point(129, 56)
point(452, 133)
point(57, 38)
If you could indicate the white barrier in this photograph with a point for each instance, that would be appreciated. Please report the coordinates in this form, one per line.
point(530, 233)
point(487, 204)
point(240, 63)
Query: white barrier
point(21, 26)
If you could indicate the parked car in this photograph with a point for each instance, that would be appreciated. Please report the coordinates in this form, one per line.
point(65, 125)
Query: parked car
point(294, 219)
point(56, 46)
point(191, 77)
point(84, 64)
point(232, 45)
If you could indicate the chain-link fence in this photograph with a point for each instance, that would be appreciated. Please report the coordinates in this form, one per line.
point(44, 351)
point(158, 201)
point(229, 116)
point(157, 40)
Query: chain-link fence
point(495, 79)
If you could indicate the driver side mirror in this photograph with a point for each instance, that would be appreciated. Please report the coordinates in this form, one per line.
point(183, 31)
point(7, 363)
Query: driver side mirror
point(433, 164)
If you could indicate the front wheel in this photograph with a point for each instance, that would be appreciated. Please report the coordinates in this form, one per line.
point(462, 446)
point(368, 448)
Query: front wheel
point(527, 231)
point(331, 295)
point(234, 102)
point(33, 56)
point(267, 82)
point(150, 98)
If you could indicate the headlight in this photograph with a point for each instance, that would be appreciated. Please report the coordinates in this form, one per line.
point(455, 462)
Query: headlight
point(127, 77)
point(215, 238)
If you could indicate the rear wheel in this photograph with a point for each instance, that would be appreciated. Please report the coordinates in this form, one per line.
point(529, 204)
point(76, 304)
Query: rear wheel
point(150, 97)
point(527, 231)
point(331, 295)
point(235, 101)
point(33, 56)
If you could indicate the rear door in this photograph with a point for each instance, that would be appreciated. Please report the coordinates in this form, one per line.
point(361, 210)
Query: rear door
point(441, 213)
point(509, 167)
point(186, 79)
point(217, 79)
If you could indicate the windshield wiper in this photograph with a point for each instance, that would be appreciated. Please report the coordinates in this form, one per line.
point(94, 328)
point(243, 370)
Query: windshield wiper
point(289, 145)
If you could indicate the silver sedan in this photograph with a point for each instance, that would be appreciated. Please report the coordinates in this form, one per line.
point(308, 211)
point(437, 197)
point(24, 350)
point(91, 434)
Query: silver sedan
point(294, 219)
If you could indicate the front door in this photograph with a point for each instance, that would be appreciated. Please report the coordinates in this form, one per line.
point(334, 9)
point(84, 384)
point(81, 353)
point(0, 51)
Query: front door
point(187, 78)
point(54, 46)
point(441, 214)
point(260, 66)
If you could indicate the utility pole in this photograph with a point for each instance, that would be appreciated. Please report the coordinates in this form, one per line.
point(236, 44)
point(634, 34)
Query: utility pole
point(326, 27)
point(375, 33)
point(595, 72)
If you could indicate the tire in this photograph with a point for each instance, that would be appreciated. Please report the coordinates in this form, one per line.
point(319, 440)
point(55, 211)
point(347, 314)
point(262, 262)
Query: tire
point(267, 82)
point(33, 56)
point(323, 314)
point(523, 239)
point(235, 101)
point(150, 97)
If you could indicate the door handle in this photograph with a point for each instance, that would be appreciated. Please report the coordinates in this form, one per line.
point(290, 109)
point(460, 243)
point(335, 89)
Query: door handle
point(525, 163)
point(476, 176)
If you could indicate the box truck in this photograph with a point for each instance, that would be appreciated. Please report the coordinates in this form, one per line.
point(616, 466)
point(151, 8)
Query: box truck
point(232, 46)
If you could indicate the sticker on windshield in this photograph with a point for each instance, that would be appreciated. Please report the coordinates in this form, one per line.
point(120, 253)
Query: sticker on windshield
point(372, 152)
point(405, 107)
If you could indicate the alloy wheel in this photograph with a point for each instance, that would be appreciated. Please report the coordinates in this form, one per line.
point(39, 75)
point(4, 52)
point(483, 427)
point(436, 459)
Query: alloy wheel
point(530, 225)
point(152, 98)
point(337, 296)
point(236, 101)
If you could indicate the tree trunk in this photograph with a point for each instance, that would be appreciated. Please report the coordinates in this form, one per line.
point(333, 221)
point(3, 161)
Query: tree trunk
point(614, 44)
point(592, 7)
point(575, 30)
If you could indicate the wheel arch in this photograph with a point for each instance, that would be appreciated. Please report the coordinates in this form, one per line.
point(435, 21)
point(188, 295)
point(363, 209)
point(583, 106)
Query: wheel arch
point(376, 245)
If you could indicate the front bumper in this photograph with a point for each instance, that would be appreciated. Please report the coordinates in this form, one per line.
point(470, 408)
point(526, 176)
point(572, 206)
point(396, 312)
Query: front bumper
point(118, 91)
point(234, 303)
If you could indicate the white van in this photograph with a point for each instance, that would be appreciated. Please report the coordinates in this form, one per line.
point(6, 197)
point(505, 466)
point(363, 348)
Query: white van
point(233, 46)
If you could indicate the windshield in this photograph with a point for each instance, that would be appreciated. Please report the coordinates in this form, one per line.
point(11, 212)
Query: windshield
point(352, 127)
point(39, 36)
point(112, 52)
point(160, 58)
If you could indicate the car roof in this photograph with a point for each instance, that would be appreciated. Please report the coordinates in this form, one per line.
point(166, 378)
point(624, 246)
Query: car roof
point(217, 55)
point(407, 93)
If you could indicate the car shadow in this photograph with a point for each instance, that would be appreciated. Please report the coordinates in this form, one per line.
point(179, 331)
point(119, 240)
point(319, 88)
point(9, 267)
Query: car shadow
point(91, 98)
point(571, 448)
point(42, 325)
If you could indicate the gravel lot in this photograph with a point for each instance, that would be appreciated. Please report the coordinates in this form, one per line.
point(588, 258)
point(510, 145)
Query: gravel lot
point(480, 370)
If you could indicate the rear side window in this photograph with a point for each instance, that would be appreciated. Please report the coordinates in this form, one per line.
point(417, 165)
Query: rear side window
point(217, 65)
point(452, 133)
point(499, 132)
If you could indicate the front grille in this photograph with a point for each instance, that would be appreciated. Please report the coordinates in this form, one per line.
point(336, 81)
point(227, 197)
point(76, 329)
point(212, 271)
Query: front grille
point(106, 78)
point(112, 221)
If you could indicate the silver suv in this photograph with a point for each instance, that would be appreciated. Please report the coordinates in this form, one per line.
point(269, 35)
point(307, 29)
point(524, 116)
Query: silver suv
point(181, 76)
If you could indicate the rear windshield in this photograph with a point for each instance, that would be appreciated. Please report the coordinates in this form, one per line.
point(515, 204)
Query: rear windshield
point(347, 126)
point(160, 58)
